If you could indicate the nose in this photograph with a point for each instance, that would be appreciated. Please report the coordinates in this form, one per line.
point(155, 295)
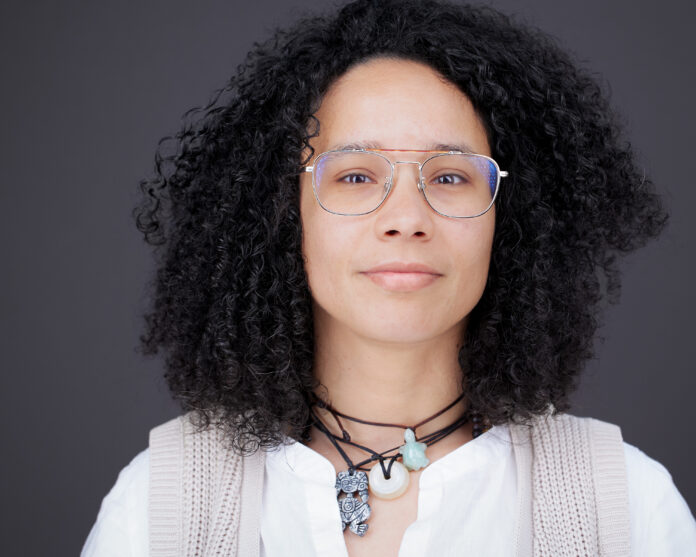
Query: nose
point(405, 212)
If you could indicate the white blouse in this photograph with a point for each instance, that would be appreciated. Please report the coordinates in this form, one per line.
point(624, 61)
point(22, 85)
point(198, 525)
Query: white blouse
point(465, 506)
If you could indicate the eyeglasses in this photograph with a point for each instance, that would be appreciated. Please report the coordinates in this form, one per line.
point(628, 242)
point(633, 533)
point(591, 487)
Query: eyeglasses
point(355, 182)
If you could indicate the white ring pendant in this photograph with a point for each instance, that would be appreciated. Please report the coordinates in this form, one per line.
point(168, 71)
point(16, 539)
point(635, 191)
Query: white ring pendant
point(390, 488)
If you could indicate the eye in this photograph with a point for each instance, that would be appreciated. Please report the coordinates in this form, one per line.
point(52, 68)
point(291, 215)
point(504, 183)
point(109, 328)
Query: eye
point(355, 178)
point(450, 179)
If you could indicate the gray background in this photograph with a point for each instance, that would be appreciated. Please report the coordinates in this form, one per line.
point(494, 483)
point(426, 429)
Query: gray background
point(88, 88)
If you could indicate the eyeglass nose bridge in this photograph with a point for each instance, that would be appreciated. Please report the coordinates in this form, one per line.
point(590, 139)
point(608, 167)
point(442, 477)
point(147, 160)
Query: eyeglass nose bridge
point(419, 182)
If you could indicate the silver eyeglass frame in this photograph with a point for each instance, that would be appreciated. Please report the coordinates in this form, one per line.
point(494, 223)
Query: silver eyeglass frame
point(500, 174)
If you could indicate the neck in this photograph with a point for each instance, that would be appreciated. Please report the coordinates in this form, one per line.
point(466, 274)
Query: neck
point(397, 383)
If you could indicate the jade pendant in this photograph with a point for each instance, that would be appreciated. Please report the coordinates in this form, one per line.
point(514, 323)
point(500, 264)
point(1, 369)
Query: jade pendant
point(413, 452)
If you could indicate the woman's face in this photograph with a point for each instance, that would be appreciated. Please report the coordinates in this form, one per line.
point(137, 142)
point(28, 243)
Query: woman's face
point(395, 104)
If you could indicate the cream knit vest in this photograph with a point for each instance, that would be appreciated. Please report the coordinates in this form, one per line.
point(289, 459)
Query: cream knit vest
point(572, 492)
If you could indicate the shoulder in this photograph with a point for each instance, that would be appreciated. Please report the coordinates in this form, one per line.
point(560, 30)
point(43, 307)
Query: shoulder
point(160, 476)
point(132, 477)
point(122, 524)
point(640, 466)
point(121, 527)
point(651, 487)
point(661, 522)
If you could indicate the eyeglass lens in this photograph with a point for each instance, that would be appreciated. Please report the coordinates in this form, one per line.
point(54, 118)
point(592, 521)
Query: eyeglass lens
point(457, 185)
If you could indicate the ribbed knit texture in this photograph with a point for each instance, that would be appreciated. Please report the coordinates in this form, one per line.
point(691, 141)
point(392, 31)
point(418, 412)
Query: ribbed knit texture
point(611, 489)
point(565, 518)
point(195, 494)
point(164, 497)
point(579, 486)
point(572, 495)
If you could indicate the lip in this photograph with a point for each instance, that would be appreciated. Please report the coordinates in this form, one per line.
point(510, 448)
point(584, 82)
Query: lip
point(402, 267)
point(402, 277)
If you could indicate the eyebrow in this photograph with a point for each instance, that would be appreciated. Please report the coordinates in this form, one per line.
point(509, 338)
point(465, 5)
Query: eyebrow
point(463, 147)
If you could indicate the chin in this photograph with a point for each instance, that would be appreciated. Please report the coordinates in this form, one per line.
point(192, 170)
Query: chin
point(409, 337)
point(403, 329)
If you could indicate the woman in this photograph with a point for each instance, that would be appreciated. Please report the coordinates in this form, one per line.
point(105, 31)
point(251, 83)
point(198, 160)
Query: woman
point(378, 285)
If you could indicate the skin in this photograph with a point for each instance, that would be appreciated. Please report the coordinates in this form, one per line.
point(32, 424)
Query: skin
point(386, 352)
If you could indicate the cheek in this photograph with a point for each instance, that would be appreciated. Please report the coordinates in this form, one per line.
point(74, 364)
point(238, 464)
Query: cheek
point(319, 247)
point(317, 258)
point(327, 264)
point(483, 245)
point(474, 245)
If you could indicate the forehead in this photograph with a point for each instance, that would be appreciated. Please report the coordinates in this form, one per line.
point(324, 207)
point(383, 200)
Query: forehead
point(398, 104)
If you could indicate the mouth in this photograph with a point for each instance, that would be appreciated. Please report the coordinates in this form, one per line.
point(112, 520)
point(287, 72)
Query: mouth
point(402, 282)
point(402, 277)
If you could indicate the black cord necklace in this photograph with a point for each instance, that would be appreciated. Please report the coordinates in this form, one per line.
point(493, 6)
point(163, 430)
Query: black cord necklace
point(386, 481)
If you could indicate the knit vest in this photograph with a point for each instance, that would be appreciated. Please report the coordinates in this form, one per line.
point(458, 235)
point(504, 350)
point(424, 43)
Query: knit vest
point(572, 495)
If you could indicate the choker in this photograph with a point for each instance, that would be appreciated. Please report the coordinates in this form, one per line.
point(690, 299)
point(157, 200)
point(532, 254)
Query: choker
point(386, 480)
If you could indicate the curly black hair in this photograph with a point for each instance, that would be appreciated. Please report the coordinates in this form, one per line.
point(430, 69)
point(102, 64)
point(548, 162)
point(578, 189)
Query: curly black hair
point(231, 304)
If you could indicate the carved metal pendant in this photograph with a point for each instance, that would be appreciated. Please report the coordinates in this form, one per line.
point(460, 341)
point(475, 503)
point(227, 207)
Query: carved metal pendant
point(354, 510)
